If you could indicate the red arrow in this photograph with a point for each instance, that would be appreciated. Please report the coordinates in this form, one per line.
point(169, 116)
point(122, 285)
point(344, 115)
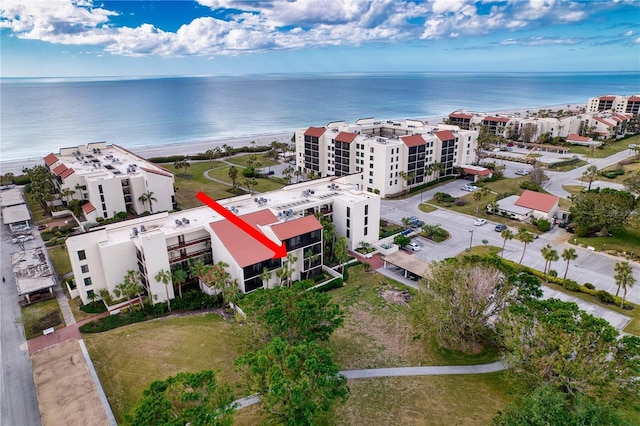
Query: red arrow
point(279, 251)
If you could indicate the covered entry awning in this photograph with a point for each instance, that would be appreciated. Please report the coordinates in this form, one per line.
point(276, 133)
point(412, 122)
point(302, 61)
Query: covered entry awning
point(407, 262)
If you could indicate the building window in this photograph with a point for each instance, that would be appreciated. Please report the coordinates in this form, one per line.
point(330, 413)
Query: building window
point(366, 230)
point(87, 281)
point(90, 294)
point(371, 150)
point(84, 268)
point(366, 209)
point(366, 220)
point(100, 189)
point(348, 211)
point(348, 233)
point(82, 255)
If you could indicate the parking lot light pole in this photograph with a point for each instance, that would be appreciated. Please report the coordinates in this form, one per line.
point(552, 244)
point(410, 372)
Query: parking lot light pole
point(470, 240)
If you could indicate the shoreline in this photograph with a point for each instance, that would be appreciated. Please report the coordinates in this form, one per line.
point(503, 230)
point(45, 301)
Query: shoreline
point(200, 146)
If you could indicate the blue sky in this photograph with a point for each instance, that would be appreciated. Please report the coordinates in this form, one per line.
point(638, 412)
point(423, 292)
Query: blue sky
point(228, 37)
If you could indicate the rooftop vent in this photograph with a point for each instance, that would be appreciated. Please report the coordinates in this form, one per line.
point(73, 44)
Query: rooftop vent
point(178, 222)
point(134, 231)
point(142, 228)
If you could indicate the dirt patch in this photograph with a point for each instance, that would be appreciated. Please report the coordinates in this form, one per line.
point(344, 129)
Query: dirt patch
point(66, 392)
point(396, 296)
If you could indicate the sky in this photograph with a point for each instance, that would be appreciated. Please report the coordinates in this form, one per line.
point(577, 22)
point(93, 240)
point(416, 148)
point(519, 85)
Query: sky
point(85, 38)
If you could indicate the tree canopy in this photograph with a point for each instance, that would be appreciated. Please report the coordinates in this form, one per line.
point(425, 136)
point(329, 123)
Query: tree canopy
point(187, 398)
point(601, 210)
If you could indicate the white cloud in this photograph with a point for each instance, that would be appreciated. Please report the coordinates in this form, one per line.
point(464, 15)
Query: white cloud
point(628, 33)
point(284, 24)
point(540, 41)
point(636, 41)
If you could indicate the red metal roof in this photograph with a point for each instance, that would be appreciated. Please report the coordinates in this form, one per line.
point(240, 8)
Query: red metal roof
point(634, 99)
point(243, 248)
point(602, 120)
point(88, 208)
point(158, 172)
point(59, 169)
point(346, 137)
point(413, 140)
point(315, 131)
point(537, 201)
point(292, 228)
point(67, 173)
point(496, 119)
point(607, 98)
point(459, 115)
point(480, 171)
point(578, 138)
point(445, 135)
point(50, 159)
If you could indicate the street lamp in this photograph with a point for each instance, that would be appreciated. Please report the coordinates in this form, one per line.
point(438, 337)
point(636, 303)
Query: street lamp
point(470, 240)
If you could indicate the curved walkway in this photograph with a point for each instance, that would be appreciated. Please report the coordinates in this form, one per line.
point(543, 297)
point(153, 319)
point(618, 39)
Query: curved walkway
point(435, 370)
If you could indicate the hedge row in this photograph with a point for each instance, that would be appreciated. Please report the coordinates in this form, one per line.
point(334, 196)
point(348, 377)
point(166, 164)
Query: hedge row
point(202, 156)
point(555, 164)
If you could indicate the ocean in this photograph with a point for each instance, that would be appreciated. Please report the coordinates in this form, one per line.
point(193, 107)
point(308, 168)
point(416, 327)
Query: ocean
point(38, 116)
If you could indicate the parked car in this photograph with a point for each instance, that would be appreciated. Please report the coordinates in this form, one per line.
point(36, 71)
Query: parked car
point(522, 172)
point(500, 227)
point(413, 246)
point(480, 222)
point(470, 188)
point(22, 239)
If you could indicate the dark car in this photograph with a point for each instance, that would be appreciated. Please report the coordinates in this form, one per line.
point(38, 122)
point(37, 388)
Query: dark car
point(500, 227)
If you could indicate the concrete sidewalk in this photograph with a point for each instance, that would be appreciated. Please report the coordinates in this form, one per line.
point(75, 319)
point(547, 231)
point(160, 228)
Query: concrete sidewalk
point(435, 370)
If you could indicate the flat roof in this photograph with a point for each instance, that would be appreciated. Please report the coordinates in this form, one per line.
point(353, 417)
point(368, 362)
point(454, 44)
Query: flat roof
point(408, 262)
point(32, 271)
point(285, 204)
point(509, 204)
point(11, 197)
point(13, 214)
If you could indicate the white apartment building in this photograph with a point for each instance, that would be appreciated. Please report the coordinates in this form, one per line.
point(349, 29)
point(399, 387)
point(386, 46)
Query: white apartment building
point(380, 153)
point(111, 178)
point(168, 241)
point(617, 104)
point(606, 124)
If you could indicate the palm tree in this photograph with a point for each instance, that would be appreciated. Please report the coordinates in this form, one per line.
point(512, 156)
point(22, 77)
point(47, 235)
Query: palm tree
point(428, 171)
point(550, 255)
point(210, 155)
point(67, 193)
point(624, 278)
point(310, 258)
point(265, 276)
point(478, 195)
point(227, 150)
point(148, 197)
point(506, 234)
point(568, 254)
point(286, 272)
point(164, 277)
point(590, 173)
point(233, 175)
point(179, 277)
point(524, 237)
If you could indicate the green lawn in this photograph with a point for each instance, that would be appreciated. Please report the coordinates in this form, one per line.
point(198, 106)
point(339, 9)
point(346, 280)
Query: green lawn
point(241, 160)
point(40, 316)
point(608, 149)
point(427, 208)
point(628, 170)
point(60, 260)
point(376, 333)
point(568, 167)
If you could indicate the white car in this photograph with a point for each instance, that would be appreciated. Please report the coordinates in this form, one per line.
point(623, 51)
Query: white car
point(413, 246)
point(480, 222)
point(22, 239)
point(469, 188)
point(522, 172)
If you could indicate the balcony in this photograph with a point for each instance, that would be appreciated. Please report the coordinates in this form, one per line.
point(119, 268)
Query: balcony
point(189, 243)
point(183, 257)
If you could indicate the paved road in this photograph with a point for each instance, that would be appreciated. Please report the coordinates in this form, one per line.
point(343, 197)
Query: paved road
point(590, 266)
point(18, 401)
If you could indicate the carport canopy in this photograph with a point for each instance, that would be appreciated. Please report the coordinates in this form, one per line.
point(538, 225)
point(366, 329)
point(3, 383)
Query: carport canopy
point(14, 214)
point(407, 262)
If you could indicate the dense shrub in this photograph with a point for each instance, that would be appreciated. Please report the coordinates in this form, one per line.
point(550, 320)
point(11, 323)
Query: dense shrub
point(612, 174)
point(570, 161)
point(605, 297)
point(589, 286)
point(334, 283)
point(443, 197)
point(527, 184)
point(543, 225)
point(194, 300)
point(553, 272)
point(460, 202)
point(113, 321)
point(571, 285)
point(96, 307)
point(21, 180)
point(250, 172)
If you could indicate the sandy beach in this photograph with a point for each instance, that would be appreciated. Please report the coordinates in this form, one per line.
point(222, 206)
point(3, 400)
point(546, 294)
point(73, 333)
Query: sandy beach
point(195, 147)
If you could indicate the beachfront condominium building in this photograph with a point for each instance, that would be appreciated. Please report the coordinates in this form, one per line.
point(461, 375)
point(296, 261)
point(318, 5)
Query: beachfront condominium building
point(388, 157)
point(618, 104)
point(530, 127)
point(101, 258)
point(111, 179)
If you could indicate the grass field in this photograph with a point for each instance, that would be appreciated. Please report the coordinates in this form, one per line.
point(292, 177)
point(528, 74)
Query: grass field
point(608, 149)
point(60, 260)
point(628, 170)
point(40, 316)
point(376, 333)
